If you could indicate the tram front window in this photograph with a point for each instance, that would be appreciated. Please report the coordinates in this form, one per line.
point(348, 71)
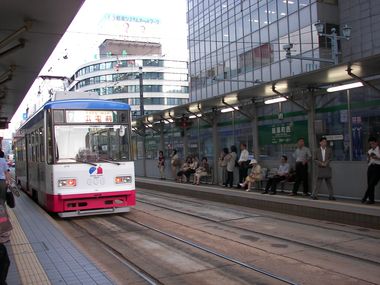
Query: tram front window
point(90, 143)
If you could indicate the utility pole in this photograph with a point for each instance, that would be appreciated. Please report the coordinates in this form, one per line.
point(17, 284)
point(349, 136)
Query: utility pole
point(333, 36)
point(141, 115)
point(141, 92)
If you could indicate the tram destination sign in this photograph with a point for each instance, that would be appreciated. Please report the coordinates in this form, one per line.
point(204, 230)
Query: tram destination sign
point(84, 116)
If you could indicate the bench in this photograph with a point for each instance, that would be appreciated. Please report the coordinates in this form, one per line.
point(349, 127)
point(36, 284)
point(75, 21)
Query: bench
point(258, 185)
point(208, 179)
point(284, 183)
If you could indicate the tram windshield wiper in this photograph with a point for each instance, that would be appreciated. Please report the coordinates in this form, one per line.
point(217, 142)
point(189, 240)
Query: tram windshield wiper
point(109, 161)
point(85, 161)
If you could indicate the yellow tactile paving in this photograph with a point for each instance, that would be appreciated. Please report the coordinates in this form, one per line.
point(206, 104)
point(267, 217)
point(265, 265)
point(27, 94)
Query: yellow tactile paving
point(29, 268)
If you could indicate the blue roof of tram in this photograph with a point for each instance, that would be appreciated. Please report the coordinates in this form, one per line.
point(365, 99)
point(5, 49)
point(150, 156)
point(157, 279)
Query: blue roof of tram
point(92, 104)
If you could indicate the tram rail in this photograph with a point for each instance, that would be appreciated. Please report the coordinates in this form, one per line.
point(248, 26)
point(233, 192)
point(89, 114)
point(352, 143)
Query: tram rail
point(282, 239)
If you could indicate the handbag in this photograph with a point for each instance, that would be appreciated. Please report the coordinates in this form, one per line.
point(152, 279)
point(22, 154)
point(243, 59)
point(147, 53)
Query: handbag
point(5, 223)
point(324, 172)
point(10, 199)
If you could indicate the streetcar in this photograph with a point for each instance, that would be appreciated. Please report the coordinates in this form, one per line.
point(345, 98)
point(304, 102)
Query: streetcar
point(73, 156)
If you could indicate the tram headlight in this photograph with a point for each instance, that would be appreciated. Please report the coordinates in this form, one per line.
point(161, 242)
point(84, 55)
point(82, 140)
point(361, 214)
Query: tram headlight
point(70, 182)
point(123, 179)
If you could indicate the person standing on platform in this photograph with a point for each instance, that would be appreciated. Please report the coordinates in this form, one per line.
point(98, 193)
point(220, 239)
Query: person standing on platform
point(174, 163)
point(373, 171)
point(302, 156)
point(282, 174)
point(243, 163)
point(161, 164)
point(5, 224)
point(5, 177)
point(231, 160)
point(5, 233)
point(323, 156)
point(223, 164)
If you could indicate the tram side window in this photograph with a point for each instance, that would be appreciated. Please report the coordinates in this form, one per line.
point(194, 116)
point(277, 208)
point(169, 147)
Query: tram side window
point(49, 138)
point(29, 147)
point(36, 145)
point(42, 145)
point(20, 151)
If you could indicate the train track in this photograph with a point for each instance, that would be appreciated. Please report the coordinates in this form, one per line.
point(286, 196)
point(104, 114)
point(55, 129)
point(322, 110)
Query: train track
point(323, 248)
point(249, 214)
point(148, 278)
point(151, 279)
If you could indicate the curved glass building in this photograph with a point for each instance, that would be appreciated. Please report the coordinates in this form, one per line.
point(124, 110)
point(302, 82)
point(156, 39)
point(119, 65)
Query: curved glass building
point(165, 82)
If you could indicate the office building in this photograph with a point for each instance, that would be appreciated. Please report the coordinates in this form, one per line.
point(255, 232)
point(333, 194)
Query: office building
point(115, 76)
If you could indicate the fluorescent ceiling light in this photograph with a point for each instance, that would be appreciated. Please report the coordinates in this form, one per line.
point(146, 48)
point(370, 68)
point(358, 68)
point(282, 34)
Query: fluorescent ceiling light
point(226, 110)
point(195, 116)
point(275, 100)
point(231, 99)
point(168, 121)
point(344, 87)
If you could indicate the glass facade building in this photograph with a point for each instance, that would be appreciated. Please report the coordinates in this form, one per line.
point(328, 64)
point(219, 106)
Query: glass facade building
point(165, 82)
point(236, 49)
point(235, 44)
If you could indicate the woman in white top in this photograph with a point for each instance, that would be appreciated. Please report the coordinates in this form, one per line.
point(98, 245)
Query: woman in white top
point(254, 176)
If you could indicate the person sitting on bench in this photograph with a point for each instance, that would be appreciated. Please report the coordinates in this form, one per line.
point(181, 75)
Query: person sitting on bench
point(254, 176)
point(282, 174)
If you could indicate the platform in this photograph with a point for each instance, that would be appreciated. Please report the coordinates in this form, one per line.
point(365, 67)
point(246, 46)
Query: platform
point(343, 211)
point(41, 254)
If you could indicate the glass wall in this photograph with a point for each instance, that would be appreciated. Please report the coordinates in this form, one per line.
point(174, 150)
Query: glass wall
point(242, 40)
point(345, 118)
point(115, 64)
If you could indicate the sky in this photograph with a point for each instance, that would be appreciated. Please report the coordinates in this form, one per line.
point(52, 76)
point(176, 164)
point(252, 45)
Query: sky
point(87, 31)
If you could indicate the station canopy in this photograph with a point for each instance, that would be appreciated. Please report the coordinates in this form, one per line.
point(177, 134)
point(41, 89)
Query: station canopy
point(29, 32)
point(366, 70)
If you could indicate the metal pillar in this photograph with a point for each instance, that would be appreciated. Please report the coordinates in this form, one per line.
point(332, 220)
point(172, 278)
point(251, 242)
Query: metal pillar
point(216, 152)
point(311, 135)
point(349, 121)
point(185, 142)
point(162, 138)
point(255, 133)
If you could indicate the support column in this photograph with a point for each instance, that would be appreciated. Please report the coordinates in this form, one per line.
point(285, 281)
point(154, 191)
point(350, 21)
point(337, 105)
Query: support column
point(185, 142)
point(311, 136)
point(349, 121)
point(255, 133)
point(216, 150)
point(162, 138)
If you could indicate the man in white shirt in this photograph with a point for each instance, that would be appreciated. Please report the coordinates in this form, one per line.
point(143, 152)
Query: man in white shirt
point(373, 172)
point(282, 174)
point(243, 163)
